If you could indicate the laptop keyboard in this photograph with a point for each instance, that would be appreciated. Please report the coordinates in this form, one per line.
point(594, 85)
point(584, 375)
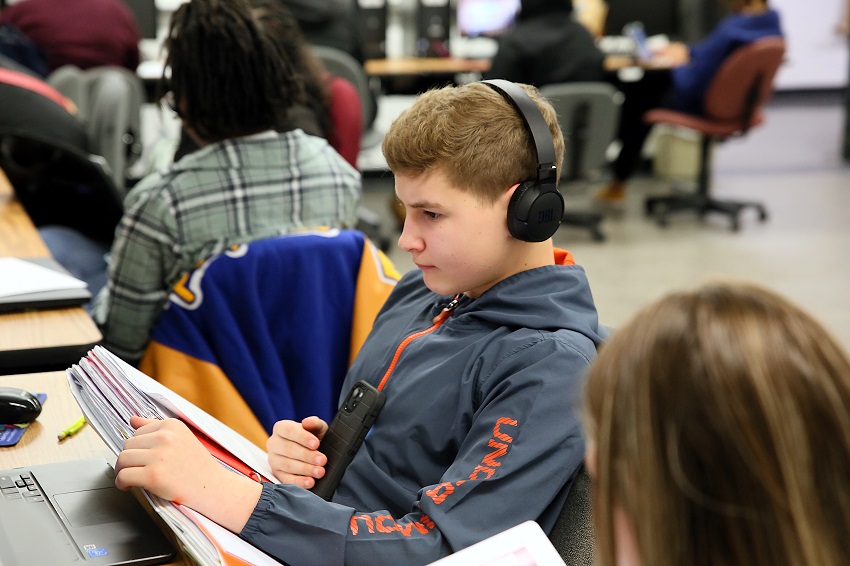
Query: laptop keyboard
point(21, 487)
point(23, 499)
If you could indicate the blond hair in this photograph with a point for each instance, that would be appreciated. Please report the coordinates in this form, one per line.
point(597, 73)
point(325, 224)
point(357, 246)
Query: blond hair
point(473, 135)
point(721, 420)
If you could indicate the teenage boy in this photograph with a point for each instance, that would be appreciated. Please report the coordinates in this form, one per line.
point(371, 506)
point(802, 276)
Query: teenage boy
point(481, 353)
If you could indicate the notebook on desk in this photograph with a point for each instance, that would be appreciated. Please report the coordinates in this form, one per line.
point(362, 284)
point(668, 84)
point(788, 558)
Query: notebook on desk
point(71, 513)
point(38, 283)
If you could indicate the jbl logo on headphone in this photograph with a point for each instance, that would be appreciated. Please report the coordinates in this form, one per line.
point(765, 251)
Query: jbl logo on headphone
point(545, 216)
point(536, 207)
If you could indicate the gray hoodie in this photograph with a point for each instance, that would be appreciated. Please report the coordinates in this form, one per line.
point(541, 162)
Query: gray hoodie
point(480, 431)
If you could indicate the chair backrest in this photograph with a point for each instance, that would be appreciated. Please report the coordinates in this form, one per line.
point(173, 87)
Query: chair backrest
point(346, 118)
point(110, 101)
point(588, 113)
point(266, 330)
point(341, 64)
point(44, 150)
point(572, 535)
point(744, 82)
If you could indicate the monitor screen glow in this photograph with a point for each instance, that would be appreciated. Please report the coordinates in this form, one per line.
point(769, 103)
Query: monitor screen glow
point(488, 18)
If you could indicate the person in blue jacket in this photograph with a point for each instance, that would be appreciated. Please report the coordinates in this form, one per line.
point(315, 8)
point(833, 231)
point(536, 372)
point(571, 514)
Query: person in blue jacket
point(684, 88)
point(481, 353)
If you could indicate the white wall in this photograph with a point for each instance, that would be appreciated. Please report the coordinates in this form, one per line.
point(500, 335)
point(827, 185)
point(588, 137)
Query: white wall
point(817, 53)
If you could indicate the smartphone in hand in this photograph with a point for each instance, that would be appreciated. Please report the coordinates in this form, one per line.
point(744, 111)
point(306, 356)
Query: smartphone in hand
point(346, 434)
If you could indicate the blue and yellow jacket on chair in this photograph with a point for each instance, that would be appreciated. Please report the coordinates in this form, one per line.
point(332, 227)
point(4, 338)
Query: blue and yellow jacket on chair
point(266, 331)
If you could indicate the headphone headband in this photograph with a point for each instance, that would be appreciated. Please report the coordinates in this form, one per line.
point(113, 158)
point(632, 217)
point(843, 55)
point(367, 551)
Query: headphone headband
point(536, 124)
point(536, 206)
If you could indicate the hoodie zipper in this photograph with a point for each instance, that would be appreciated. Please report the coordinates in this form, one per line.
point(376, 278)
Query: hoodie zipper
point(438, 322)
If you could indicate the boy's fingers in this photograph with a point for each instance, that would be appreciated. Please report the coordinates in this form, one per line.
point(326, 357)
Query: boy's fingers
point(316, 426)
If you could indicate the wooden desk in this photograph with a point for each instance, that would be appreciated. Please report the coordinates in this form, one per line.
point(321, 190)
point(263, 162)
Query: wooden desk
point(407, 66)
point(36, 339)
point(616, 62)
point(39, 444)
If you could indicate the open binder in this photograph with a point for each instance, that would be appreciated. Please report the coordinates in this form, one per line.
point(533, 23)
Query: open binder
point(110, 391)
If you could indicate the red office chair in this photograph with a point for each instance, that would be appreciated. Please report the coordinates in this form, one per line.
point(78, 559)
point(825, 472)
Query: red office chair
point(733, 105)
point(346, 118)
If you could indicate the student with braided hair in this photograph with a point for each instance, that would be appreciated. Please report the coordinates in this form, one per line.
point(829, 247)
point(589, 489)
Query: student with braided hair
point(232, 85)
point(310, 109)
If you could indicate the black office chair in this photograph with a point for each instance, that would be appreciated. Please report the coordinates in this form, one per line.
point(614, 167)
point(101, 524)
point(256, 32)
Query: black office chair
point(587, 113)
point(45, 153)
point(572, 535)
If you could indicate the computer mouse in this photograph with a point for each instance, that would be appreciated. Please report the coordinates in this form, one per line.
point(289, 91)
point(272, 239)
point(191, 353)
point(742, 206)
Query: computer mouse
point(18, 406)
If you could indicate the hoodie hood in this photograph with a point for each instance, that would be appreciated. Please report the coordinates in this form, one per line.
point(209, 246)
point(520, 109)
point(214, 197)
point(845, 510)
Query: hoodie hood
point(532, 8)
point(547, 298)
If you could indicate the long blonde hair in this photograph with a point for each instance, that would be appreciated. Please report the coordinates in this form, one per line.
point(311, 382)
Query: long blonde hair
point(721, 421)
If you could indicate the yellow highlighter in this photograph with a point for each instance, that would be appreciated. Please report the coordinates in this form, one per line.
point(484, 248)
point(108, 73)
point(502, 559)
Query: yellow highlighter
point(73, 429)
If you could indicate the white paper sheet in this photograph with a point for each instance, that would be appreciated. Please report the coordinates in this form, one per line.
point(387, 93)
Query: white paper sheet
point(19, 277)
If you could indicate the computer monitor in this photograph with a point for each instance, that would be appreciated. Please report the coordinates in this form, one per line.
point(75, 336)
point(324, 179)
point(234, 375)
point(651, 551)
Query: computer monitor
point(488, 18)
point(657, 16)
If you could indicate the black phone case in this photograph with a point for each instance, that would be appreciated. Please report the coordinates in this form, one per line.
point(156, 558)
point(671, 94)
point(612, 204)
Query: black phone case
point(346, 434)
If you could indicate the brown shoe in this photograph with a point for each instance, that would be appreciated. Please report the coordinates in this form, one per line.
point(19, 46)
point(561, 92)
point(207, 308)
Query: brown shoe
point(611, 197)
point(615, 193)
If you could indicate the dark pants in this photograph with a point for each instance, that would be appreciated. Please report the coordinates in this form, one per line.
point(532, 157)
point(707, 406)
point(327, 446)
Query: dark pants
point(654, 90)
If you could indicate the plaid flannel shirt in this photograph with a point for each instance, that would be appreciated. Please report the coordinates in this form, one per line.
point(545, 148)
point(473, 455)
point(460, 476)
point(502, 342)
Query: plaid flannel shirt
point(227, 193)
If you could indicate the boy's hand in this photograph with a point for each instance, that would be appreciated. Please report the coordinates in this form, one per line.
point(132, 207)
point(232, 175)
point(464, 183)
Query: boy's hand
point(165, 458)
point(293, 451)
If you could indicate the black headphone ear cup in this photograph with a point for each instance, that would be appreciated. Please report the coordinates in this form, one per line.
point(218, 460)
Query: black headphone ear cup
point(518, 208)
point(534, 216)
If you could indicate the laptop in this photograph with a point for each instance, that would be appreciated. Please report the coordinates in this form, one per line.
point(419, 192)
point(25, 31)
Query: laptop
point(71, 513)
point(62, 296)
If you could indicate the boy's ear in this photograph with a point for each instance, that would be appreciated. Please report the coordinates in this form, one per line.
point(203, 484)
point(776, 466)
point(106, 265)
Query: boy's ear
point(509, 194)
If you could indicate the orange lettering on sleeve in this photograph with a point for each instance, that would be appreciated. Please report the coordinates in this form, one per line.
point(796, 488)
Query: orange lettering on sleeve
point(366, 519)
point(500, 450)
point(479, 469)
point(381, 527)
point(385, 524)
point(439, 493)
point(501, 435)
point(422, 529)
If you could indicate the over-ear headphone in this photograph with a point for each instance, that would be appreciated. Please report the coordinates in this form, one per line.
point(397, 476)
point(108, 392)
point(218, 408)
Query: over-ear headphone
point(536, 207)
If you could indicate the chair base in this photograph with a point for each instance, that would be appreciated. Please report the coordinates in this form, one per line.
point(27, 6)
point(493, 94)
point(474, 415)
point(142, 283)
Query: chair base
point(662, 206)
point(589, 220)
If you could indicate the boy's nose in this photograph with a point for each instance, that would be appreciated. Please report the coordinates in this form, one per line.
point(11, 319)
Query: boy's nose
point(407, 240)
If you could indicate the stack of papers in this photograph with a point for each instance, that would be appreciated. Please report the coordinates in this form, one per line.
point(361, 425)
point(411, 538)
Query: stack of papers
point(110, 391)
